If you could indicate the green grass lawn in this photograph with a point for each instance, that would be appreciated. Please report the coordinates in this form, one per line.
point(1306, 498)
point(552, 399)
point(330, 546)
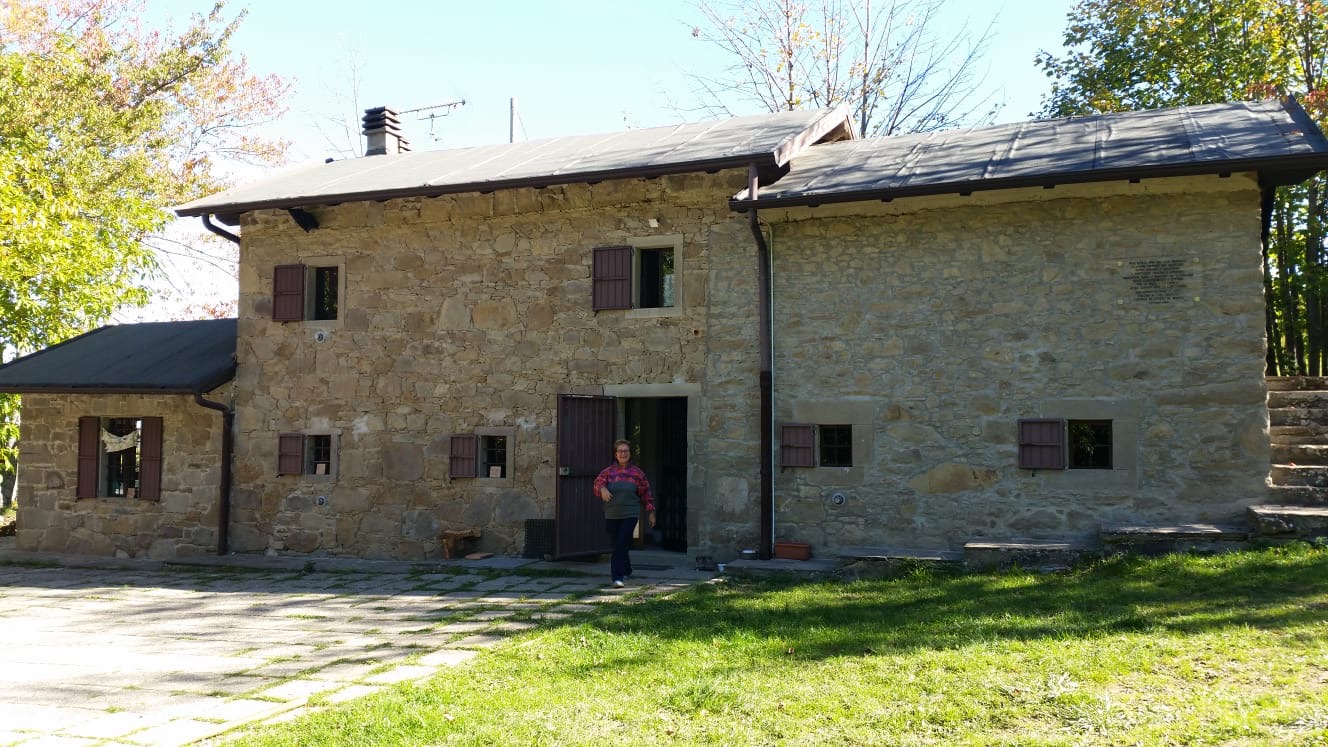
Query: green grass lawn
point(1180, 650)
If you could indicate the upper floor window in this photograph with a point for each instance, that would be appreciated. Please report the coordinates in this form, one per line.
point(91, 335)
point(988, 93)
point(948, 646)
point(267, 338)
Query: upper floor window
point(302, 292)
point(641, 275)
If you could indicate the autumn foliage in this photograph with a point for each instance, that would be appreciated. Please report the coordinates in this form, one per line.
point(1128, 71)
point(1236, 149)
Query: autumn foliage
point(104, 123)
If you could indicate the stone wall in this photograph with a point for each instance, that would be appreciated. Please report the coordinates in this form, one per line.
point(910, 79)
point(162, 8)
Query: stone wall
point(931, 325)
point(182, 523)
point(460, 314)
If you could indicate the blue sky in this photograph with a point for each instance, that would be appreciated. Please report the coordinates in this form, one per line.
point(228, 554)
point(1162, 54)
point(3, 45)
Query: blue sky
point(574, 66)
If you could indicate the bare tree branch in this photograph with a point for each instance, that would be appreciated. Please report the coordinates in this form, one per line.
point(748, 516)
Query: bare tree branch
point(881, 57)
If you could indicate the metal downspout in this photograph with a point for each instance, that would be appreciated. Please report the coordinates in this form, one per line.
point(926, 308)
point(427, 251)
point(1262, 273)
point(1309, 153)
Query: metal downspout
point(765, 341)
point(227, 433)
point(227, 439)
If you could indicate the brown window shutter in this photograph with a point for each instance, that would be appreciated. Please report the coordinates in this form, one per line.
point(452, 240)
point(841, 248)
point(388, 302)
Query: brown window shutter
point(288, 293)
point(464, 451)
point(149, 460)
point(1041, 443)
point(797, 442)
point(89, 448)
point(290, 453)
point(611, 276)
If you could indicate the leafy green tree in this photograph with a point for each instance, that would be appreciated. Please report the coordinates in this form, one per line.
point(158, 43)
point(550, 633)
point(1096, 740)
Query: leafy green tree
point(883, 58)
point(1141, 54)
point(103, 125)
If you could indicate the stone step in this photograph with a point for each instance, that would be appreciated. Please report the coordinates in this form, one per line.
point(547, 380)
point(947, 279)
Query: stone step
point(1293, 383)
point(1290, 522)
point(1317, 416)
point(1304, 455)
point(1161, 540)
point(1025, 553)
point(1298, 495)
point(889, 562)
point(1314, 476)
point(1298, 434)
point(1313, 399)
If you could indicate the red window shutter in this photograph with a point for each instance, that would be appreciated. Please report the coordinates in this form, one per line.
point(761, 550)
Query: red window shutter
point(611, 277)
point(464, 452)
point(290, 453)
point(288, 293)
point(1041, 443)
point(89, 449)
point(797, 442)
point(149, 460)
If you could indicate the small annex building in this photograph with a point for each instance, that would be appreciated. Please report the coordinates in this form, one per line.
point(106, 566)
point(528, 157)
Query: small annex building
point(120, 449)
point(1028, 330)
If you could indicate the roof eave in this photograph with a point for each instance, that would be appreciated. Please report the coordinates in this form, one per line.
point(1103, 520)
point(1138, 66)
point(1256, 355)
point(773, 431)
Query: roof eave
point(229, 212)
point(92, 389)
point(1272, 172)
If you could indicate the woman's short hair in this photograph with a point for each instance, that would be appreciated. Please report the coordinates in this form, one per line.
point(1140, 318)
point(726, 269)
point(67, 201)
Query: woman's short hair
point(622, 442)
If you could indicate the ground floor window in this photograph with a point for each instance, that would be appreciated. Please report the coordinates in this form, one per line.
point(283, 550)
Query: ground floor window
point(119, 457)
point(306, 454)
point(1089, 444)
point(485, 454)
point(812, 445)
point(120, 438)
point(494, 452)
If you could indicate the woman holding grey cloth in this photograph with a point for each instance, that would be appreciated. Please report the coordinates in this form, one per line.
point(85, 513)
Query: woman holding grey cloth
point(624, 489)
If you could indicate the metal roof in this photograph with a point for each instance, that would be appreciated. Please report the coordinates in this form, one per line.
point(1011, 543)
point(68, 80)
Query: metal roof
point(149, 358)
point(1275, 138)
point(767, 140)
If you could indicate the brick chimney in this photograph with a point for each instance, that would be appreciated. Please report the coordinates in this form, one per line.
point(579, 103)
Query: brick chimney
point(382, 132)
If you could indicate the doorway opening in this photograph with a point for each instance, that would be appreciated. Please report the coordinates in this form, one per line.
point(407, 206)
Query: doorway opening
point(657, 428)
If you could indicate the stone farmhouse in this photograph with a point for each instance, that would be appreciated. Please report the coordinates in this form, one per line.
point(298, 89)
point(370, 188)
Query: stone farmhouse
point(1023, 331)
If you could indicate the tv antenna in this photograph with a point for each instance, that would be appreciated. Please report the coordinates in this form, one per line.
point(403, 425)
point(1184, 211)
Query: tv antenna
point(435, 112)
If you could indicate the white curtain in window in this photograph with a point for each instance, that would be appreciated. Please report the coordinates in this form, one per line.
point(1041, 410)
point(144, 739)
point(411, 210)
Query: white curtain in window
point(119, 443)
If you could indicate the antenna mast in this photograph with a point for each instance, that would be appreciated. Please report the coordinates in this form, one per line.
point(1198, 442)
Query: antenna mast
point(433, 114)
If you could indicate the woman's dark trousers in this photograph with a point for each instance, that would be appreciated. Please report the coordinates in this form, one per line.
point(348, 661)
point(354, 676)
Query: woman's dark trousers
point(620, 537)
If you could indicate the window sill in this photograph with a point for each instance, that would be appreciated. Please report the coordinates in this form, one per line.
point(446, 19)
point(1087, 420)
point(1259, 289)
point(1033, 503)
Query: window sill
point(657, 313)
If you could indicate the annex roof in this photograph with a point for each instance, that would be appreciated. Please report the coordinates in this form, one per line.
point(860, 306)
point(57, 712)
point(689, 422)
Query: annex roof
point(768, 141)
point(1275, 138)
point(149, 358)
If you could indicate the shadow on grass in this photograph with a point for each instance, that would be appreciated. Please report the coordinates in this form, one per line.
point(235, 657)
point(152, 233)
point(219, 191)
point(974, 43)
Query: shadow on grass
point(1282, 588)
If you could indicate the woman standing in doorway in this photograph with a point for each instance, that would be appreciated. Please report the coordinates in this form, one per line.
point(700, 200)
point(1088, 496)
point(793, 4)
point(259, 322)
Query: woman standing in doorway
point(624, 489)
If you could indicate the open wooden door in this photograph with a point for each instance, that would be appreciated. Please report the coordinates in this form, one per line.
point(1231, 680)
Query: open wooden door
point(586, 429)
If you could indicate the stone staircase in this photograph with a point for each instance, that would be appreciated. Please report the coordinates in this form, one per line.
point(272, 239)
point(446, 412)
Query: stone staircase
point(1298, 430)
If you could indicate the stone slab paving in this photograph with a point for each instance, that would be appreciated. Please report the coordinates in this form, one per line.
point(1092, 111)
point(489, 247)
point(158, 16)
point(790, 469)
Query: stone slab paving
point(117, 653)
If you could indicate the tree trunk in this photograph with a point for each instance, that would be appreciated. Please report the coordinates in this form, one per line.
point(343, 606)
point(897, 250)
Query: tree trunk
point(1313, 259)
point(1292, 340)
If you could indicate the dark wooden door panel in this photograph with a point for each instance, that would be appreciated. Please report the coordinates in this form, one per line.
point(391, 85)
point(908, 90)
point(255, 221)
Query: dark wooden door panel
point(586, 429)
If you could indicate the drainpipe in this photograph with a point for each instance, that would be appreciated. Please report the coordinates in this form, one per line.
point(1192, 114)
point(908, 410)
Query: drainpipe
point(227, 433)
point(766, 377)
point(227, 440)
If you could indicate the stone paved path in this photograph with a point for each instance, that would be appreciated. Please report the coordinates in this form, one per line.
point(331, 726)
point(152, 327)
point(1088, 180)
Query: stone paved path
point(171, 655)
